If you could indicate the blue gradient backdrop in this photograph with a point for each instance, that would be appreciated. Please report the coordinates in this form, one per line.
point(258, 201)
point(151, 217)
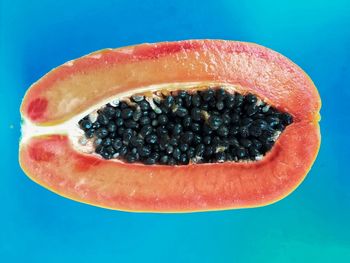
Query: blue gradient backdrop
point(311, 225)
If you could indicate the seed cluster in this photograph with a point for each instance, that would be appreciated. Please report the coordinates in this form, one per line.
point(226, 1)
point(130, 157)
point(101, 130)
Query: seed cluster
point(206, 126)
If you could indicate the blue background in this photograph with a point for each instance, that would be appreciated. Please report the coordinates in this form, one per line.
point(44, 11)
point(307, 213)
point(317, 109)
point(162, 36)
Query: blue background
point(311, 225)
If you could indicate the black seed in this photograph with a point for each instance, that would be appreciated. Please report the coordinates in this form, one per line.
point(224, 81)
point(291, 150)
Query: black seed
point(229, 101)
point(196, 114)
point(118, 113)
point(110, 150)
point(171, 161)
point(207, 140)
point(151, 139)
point(246, 121)
point(181, 112)
point(182, 94)
point(241, 153)
point(162, 119)
point(121, 131)
point(245, 142)
point(280, 127)
point(234, 130)
point(131, 124)
point(196, 100)
point(117, 144)
point(154, 123)
point(96, 125)
point(164, 159)
point(253, 152)
point(169, 149)
point(183, 147)
point(268, 145)
point(197, 139)
point(130, 158)
point(238, 100)
point(256, 143)
point(168, 102)
point(235, 118)
point(184, 159)
point(109, 111)
point(220, 157)
point(119, 122)
point(195, 127)
point(144, 151)
point(220, 94)
point(174, 141)
point(136, 115)
point(101, 133)
point(222, 131)
point(212, 104)
point(106, 155)
point(251, 99)
point(144, 105)
point(207, 95)
point(220, 105)
point(207, 130)
point(102, 119)
point(112, 135)
point(155, 156)
point(150, 161)
point(190, 152)
point(200, 149)
point(233, 142)
point(177, 153)
point(144, 120)
point(98, 141)
point(177, 129)
point(99, 149)
point(214, 122)
point(162, 130)
point(146, 130)
point(187, 137)
point(286, 118)
point(187, 122)
point(209, 151)
point(89, 133)
point(123, 150)
point(123, 105)
point(136, 141)
point(86, 124)
point(127, 113)
point(107, 141)
point(111, 127)
point(255, 130)
point(188, 100)
point(226, 119)
point(263, 125)
point(251, 110)
point(272, 120)
point(204, 107)
point(152, 115)
point(244, 131)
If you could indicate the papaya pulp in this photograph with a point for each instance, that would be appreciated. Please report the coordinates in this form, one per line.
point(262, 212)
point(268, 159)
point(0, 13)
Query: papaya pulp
point(51, 155)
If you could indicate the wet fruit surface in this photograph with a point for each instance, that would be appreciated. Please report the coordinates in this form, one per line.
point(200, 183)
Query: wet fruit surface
point(207, 126)
point(184, 151)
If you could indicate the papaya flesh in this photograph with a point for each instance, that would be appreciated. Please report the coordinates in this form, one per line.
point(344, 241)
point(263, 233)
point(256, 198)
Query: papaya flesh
point(66, 93)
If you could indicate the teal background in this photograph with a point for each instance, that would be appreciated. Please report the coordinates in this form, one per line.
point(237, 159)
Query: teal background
point(310, 225)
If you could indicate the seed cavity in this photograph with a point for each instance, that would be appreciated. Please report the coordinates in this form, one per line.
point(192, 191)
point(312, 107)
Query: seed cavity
point(210, 125)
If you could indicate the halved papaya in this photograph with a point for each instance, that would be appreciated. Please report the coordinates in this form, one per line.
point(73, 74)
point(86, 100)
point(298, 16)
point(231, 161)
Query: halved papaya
point(216, 91)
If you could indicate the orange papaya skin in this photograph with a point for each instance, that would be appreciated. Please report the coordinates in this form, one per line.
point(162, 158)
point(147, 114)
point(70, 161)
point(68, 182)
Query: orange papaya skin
point(68, 90)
